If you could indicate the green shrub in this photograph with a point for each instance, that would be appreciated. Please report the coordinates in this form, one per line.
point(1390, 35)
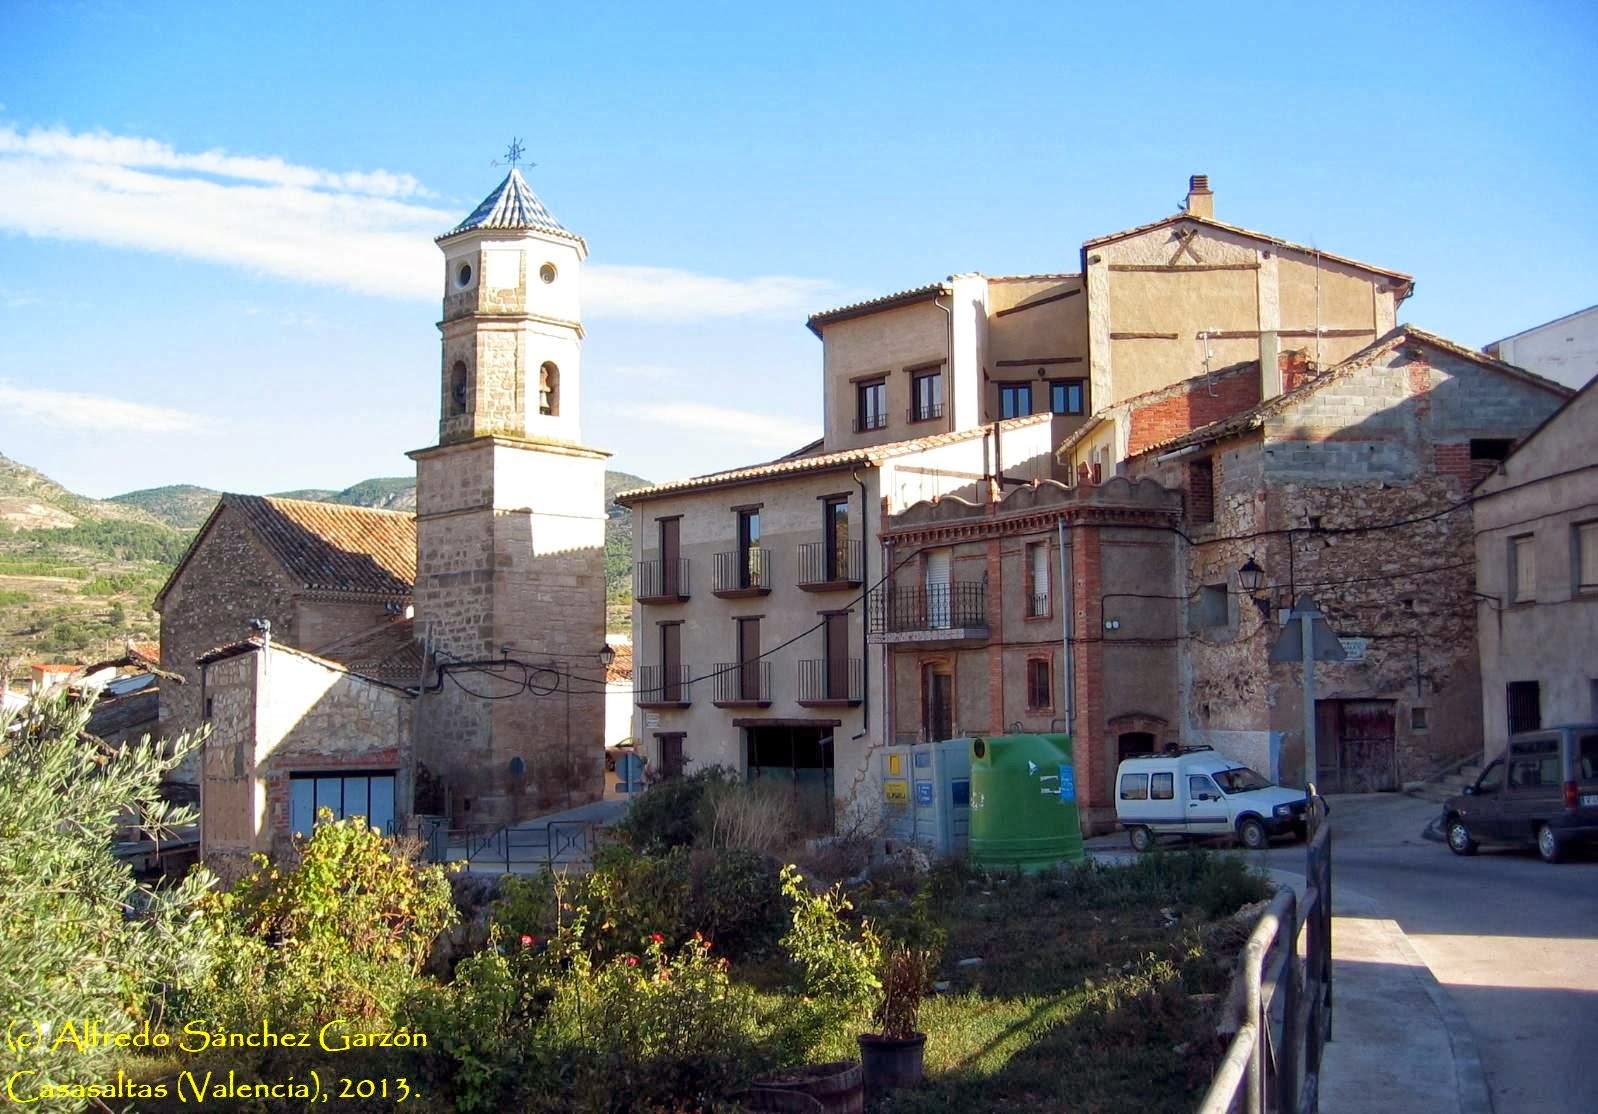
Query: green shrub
point(80, 939)
point(13, 598)
point(839, 959)
point(342, 933)
point(668, 813)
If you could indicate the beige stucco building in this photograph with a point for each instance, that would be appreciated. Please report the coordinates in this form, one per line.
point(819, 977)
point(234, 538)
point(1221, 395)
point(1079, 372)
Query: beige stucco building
point(1284, 366)
point(1536, 547)
point(1564, 349)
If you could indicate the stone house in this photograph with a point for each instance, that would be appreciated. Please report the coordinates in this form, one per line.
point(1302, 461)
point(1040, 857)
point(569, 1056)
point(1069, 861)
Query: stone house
point(484, 610)
point(1536, 545)
point(292, 733)
point(1352, 487)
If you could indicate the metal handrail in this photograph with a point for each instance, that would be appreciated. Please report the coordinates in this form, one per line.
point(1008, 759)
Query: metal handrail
point(1262, 1065)
point(555, 843)
point(932, 608)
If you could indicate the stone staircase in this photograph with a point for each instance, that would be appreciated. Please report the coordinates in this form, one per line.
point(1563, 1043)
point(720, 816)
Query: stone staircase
point(1448, 782)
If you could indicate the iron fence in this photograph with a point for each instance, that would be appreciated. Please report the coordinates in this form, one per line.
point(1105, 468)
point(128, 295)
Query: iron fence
point(932, 608)
point(741, 570)
point(746, 682)
point(662, 684)
point(551, 845)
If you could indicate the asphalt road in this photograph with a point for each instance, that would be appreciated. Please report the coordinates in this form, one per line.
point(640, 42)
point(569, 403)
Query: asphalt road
point(1513, 940)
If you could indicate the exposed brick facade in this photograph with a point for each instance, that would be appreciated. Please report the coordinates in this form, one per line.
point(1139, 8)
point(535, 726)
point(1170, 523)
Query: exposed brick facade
point(1174, 411)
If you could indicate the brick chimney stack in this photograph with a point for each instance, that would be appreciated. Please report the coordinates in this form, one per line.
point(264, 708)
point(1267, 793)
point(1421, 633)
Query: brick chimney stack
point(1200, 199)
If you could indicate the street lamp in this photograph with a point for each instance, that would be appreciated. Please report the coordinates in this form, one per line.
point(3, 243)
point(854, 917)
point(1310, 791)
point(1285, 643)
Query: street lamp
point(1251, 578)
point(606, 656)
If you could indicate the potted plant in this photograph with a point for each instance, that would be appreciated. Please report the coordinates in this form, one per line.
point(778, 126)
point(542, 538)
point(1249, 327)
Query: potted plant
point(892, 1057)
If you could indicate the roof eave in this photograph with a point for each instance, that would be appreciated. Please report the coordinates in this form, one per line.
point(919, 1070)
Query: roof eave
point(876, 305)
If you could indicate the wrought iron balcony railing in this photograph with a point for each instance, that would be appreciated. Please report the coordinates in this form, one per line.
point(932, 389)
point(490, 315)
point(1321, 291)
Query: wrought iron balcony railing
point(656, 686)
point(661, 581)
point(831, 681)
point(745, 572)
point(746, 682)
point(841, 565)
point(934, 609)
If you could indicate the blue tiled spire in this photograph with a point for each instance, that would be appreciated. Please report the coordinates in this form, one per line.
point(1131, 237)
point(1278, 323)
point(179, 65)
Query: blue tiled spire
point(512, 205)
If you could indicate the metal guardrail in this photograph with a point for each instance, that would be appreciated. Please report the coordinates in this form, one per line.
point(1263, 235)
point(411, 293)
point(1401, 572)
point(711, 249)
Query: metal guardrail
point(1273, 1064)
point(547, 846)
point(843, 562)
point(661, 580)
point(936, 607)
point(741, 570)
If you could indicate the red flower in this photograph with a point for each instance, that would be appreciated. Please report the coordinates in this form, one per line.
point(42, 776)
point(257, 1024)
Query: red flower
point(528, 941)
point(632, 961)
point(656, 937)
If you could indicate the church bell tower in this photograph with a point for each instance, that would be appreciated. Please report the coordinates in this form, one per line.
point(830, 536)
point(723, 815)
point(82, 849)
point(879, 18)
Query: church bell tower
point(510, 525)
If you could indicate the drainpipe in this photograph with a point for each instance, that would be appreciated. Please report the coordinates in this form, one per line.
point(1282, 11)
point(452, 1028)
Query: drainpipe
point(865, 616)
point(1067, 604)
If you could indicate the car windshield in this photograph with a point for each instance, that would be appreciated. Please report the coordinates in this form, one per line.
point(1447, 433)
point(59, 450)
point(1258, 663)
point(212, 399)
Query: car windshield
point(1240, 779)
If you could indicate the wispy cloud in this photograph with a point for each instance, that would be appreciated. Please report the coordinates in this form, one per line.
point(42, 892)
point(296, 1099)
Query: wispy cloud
point(738, 426)
point(366, 231)
point(73, 410)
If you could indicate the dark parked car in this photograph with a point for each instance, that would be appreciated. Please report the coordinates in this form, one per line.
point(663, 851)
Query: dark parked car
point(1542, 791)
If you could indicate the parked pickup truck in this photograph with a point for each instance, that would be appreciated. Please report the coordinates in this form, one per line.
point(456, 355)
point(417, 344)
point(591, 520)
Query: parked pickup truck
point(1196, 792)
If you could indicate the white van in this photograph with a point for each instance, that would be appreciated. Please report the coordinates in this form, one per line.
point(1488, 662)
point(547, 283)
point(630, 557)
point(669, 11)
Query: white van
point(1196, 792)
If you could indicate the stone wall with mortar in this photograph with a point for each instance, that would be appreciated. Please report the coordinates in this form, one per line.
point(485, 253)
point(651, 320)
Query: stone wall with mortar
point(278, 713)
point(1386, 445)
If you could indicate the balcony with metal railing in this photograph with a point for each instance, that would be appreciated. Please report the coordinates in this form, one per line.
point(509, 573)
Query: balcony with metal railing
point(741, 572)
point(956, 612)
point(660, 686)
point(831, 568)
point(742, 684)
point(661, 581)
point(925, 412)
point(1037, 606)
point(831, 682)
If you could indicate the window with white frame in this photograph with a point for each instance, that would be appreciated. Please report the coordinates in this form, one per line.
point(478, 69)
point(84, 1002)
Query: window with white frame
point(1522, 569)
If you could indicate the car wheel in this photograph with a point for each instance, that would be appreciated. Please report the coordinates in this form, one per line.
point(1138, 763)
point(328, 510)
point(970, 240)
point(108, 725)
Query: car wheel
point(1251, 834)
point(1459, 838)
point(1548, 845)
point(1142, 838)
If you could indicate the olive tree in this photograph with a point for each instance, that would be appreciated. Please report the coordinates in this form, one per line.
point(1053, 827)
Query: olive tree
point(81, 940)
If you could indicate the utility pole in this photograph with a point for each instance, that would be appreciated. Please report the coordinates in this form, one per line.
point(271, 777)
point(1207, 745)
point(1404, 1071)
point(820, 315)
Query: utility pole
point(1312, 641)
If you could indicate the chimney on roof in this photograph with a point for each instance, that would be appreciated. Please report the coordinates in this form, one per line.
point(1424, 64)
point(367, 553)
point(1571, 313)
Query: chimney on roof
point(1200, 199)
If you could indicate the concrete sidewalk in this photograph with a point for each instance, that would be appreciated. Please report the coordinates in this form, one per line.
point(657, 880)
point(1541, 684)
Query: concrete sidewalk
point(1398, 1041)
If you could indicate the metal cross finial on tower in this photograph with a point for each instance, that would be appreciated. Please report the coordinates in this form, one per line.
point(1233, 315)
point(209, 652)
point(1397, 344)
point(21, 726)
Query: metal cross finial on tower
point(513, 154)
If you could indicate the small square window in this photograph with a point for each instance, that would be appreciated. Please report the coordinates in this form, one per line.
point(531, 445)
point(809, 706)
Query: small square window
point(1417, 719)
point(1134, 787)
point(1039, 691)
point(871, 406)
point(1015, 400)
point(1162, 787)
point(1212, 608)
point(1067, 396)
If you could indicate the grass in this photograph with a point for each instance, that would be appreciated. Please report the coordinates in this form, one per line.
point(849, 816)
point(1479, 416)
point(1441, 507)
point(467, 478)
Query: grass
point(1096, 991)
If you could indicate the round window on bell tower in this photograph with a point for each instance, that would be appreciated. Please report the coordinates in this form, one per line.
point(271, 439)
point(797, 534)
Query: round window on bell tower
point(547, 272)
point(463, 276)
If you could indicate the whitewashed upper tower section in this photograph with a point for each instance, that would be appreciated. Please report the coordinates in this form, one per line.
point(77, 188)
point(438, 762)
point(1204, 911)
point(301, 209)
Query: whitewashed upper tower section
point(512, 326)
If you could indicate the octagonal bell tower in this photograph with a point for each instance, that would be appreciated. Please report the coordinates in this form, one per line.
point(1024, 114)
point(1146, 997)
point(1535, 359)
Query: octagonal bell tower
point(510, 525)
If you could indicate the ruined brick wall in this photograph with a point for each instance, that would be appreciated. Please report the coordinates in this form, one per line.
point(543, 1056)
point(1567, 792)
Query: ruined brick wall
point(228, 580)
point(1191, 405)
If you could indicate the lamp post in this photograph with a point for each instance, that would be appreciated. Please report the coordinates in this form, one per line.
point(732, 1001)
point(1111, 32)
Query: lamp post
point(1251, 578)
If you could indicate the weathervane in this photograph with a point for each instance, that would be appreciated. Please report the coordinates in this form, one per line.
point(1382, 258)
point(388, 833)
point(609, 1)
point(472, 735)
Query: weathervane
point(513, 154)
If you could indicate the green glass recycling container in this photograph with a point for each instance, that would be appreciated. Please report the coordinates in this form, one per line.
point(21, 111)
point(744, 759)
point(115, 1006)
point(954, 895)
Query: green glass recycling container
point(1023, 803)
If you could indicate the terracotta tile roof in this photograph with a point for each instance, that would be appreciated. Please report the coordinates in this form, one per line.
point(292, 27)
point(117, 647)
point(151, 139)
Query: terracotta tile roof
point(55, 667)
point(335, 548)
point(1254, 417)
point(389, 652)
point(870, 456)
point(149, 651)
point(872, 305)
point(621, 669)
point(1211, 222)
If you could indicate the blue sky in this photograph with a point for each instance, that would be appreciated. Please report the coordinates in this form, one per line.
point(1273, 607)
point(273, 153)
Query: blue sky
point(216, 263)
